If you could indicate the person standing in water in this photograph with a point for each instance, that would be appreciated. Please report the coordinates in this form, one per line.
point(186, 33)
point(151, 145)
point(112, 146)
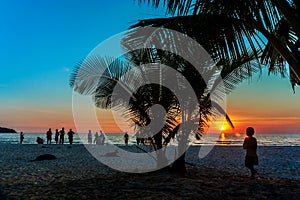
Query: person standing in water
point(250, 144)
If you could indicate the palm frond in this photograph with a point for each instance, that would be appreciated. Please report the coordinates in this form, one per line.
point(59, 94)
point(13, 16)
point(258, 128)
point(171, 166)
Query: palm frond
point(86, 75)
point(179, 7)
point(270, 56)
point(236, 71)
point(227, 39)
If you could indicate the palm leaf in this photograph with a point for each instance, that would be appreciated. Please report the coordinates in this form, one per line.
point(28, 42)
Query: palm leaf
point(86, 75)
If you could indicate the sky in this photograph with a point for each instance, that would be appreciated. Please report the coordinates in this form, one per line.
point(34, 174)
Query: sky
point(42, 41)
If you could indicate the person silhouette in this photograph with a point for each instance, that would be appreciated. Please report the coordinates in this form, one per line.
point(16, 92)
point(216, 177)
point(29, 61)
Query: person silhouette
point(90, 137)
point(56, 136)
point(101, 138)
point(96, 138)
point(126, 138)
point(61, 135)
point(39, 140)
point(70, 136)
point(250, 144)
point(49, 136)
point(21, 137)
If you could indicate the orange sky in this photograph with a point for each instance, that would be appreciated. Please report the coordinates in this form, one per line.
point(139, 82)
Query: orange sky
point(265, 111)
point(255, 104)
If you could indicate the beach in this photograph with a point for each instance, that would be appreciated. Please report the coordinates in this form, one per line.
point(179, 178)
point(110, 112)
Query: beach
point(76, 174)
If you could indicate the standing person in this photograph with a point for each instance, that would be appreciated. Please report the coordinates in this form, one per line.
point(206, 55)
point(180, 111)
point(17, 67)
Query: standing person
point(96, 138)
point(56, 136)
point(90, 137)
point(61, 135)
point(142, 140)
point(103, 138)
point(21, 137)
point(250, 144)
point(138, 139)
point(70, 136)
point(49, 136)
point(126, 137)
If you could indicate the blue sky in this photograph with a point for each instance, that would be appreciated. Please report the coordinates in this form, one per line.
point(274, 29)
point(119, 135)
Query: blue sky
point(42, 40)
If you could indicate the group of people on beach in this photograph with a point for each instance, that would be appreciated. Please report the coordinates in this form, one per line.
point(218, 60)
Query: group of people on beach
point(99, 138)
point(249, 144)
point(59, 136)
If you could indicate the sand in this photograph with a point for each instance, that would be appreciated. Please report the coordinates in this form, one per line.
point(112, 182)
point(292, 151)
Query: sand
point(76, 174)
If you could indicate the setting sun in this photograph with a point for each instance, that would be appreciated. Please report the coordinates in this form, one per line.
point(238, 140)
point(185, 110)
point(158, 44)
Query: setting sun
point(222, 128)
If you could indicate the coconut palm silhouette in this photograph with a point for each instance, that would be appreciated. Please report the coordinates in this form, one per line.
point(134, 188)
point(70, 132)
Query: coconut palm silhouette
point(270, 29)
point(132, 72)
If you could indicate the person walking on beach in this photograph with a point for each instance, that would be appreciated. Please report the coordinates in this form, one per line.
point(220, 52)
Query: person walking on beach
point(61, 135)
point(90, 137)
point(21, 137)
point(49, 136)
point(126, 137)
point(70, 136)
point(250, 144)
point(56, 136)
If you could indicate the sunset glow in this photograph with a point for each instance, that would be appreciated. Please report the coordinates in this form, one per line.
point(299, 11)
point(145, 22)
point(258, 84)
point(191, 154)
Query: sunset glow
point(37, 64)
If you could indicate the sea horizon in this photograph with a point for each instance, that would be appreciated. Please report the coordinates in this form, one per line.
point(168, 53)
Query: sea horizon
point(227, 139)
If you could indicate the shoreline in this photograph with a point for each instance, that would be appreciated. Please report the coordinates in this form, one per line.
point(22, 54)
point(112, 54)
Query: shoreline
point(207, 140)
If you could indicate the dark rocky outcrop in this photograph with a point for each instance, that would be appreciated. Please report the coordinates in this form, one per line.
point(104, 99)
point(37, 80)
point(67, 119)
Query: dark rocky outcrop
point(7, 130)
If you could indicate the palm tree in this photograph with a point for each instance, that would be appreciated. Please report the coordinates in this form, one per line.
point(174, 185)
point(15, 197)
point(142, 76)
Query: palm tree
point(243, 33)
point(144, 94)
point(229, 28)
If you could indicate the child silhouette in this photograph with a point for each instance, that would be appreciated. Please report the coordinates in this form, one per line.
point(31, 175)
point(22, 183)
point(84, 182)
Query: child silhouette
point(250, 144)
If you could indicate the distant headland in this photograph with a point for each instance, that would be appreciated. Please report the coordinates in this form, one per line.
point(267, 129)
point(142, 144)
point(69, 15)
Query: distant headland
point(7, 130)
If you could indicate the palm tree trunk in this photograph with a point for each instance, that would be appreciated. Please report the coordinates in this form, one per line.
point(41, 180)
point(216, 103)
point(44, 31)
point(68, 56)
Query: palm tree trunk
point(179, 164)
point(161, 159)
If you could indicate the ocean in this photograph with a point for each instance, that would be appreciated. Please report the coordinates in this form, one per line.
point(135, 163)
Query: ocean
point(209, 139)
